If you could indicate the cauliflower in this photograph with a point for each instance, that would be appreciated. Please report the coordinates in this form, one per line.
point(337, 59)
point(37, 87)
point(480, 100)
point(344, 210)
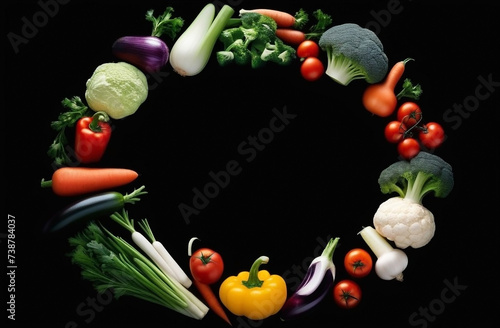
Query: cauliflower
point(118, 89)
point(404, 219)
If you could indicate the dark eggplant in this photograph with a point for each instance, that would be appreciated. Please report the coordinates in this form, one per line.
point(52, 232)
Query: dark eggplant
point(148, 53)
point(93, 207)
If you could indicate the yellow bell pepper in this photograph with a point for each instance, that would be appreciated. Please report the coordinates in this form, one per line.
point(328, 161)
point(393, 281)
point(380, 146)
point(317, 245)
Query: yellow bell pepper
point(254, 294)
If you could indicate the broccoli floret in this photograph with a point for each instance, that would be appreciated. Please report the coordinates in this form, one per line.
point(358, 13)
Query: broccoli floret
point(253, 42)
point(278, 52)
point(353, 52)
point(414, 179)
point(236, 52)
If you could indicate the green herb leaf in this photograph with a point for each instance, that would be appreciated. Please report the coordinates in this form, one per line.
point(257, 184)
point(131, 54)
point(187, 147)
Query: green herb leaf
point(76, 109)
point(165, 23)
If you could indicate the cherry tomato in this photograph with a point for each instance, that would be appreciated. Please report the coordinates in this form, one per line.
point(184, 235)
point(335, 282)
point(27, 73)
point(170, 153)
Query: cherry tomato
point(307, 48)
point(409, 113)
point(408, 148)
point(394, 131)
point(358, 262)
point(312, 69)
point(431, 135)
point(206, 266)
point(347, 294)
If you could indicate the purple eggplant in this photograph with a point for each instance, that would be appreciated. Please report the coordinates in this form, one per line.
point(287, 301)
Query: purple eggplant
point(317, 282)
point(149, 53)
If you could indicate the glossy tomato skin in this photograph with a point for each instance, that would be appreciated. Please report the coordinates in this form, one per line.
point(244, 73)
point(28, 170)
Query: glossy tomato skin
point(312, 69)
point(347, 294)
point(206, 266)
point(431, 135)
point(358, 263)
point(409, 113)
point(394, 131)
point(408, 148)
point(308, 48)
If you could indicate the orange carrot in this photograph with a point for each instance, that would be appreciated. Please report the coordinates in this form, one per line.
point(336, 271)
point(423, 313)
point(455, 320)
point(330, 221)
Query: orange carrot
point(380, 98)
point(282, 19)
point(72, 181)
point(212, 301)
point(290, 36)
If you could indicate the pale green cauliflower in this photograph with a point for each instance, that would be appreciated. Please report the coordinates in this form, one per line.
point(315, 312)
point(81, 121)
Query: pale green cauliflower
point(118, 89)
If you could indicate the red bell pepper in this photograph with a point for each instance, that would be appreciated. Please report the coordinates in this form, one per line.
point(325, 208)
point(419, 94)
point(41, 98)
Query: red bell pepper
point(92, 137)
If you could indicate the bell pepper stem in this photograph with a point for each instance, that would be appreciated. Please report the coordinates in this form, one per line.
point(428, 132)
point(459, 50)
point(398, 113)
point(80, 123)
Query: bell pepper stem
point(96, 118)
point(253, 276)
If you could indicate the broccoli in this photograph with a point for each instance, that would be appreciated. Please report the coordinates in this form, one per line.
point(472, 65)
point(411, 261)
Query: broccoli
point(415, 178)
point(404, 219)
point(278, 52)
point(253, 42)
point(353, 52)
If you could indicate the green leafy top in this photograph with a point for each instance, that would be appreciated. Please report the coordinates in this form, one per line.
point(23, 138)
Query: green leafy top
point(76, 109)
point(165, 23)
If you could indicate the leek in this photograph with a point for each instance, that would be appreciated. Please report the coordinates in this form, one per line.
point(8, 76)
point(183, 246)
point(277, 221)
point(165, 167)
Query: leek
point(192, 50)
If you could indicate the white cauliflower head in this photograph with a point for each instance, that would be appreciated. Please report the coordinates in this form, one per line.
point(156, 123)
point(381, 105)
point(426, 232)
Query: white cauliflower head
point(405, 222)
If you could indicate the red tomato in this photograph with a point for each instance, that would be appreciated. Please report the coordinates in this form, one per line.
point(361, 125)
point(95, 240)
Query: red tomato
point(409, 113)
point(431, 135)
point(206, 266)
point(394, 131)
point(347, 294)
point(358, 262)
point(408, 148)
point(312, 69)
point(307, 48)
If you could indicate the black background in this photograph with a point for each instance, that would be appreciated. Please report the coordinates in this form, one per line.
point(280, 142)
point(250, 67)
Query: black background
point(314, 180)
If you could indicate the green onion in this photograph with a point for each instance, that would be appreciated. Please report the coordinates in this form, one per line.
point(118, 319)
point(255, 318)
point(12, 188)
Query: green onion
point(110, 262)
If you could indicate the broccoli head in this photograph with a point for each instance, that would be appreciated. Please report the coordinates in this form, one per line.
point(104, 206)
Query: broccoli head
point(414, 179)
point(353, 52)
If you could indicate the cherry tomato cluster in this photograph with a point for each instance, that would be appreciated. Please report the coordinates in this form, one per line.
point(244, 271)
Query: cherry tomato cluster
point(347, 292)
point(410, 134)
point(312, 67)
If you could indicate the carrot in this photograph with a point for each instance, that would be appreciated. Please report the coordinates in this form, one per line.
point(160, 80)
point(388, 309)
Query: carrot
point(380, 98)
point(282, 19)
point(290, 36)
point(212, 301)
point(72, 181)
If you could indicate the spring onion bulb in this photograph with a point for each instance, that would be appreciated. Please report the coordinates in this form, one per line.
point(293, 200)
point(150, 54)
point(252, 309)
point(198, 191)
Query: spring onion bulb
point(315, 285)
point(165, 264)
point(192, 50)
point(391, 262)
point(180, 275)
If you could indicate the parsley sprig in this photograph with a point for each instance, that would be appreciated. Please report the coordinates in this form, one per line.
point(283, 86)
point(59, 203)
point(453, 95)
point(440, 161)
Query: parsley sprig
point(76, 109)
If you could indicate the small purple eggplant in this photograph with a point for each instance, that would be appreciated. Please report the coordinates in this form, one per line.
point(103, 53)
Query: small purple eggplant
point(149, 53)
point(317, 282)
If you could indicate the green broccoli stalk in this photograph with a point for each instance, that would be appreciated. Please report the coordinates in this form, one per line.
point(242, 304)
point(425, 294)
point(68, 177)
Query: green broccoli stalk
point(403, 219)
point(353, 52)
